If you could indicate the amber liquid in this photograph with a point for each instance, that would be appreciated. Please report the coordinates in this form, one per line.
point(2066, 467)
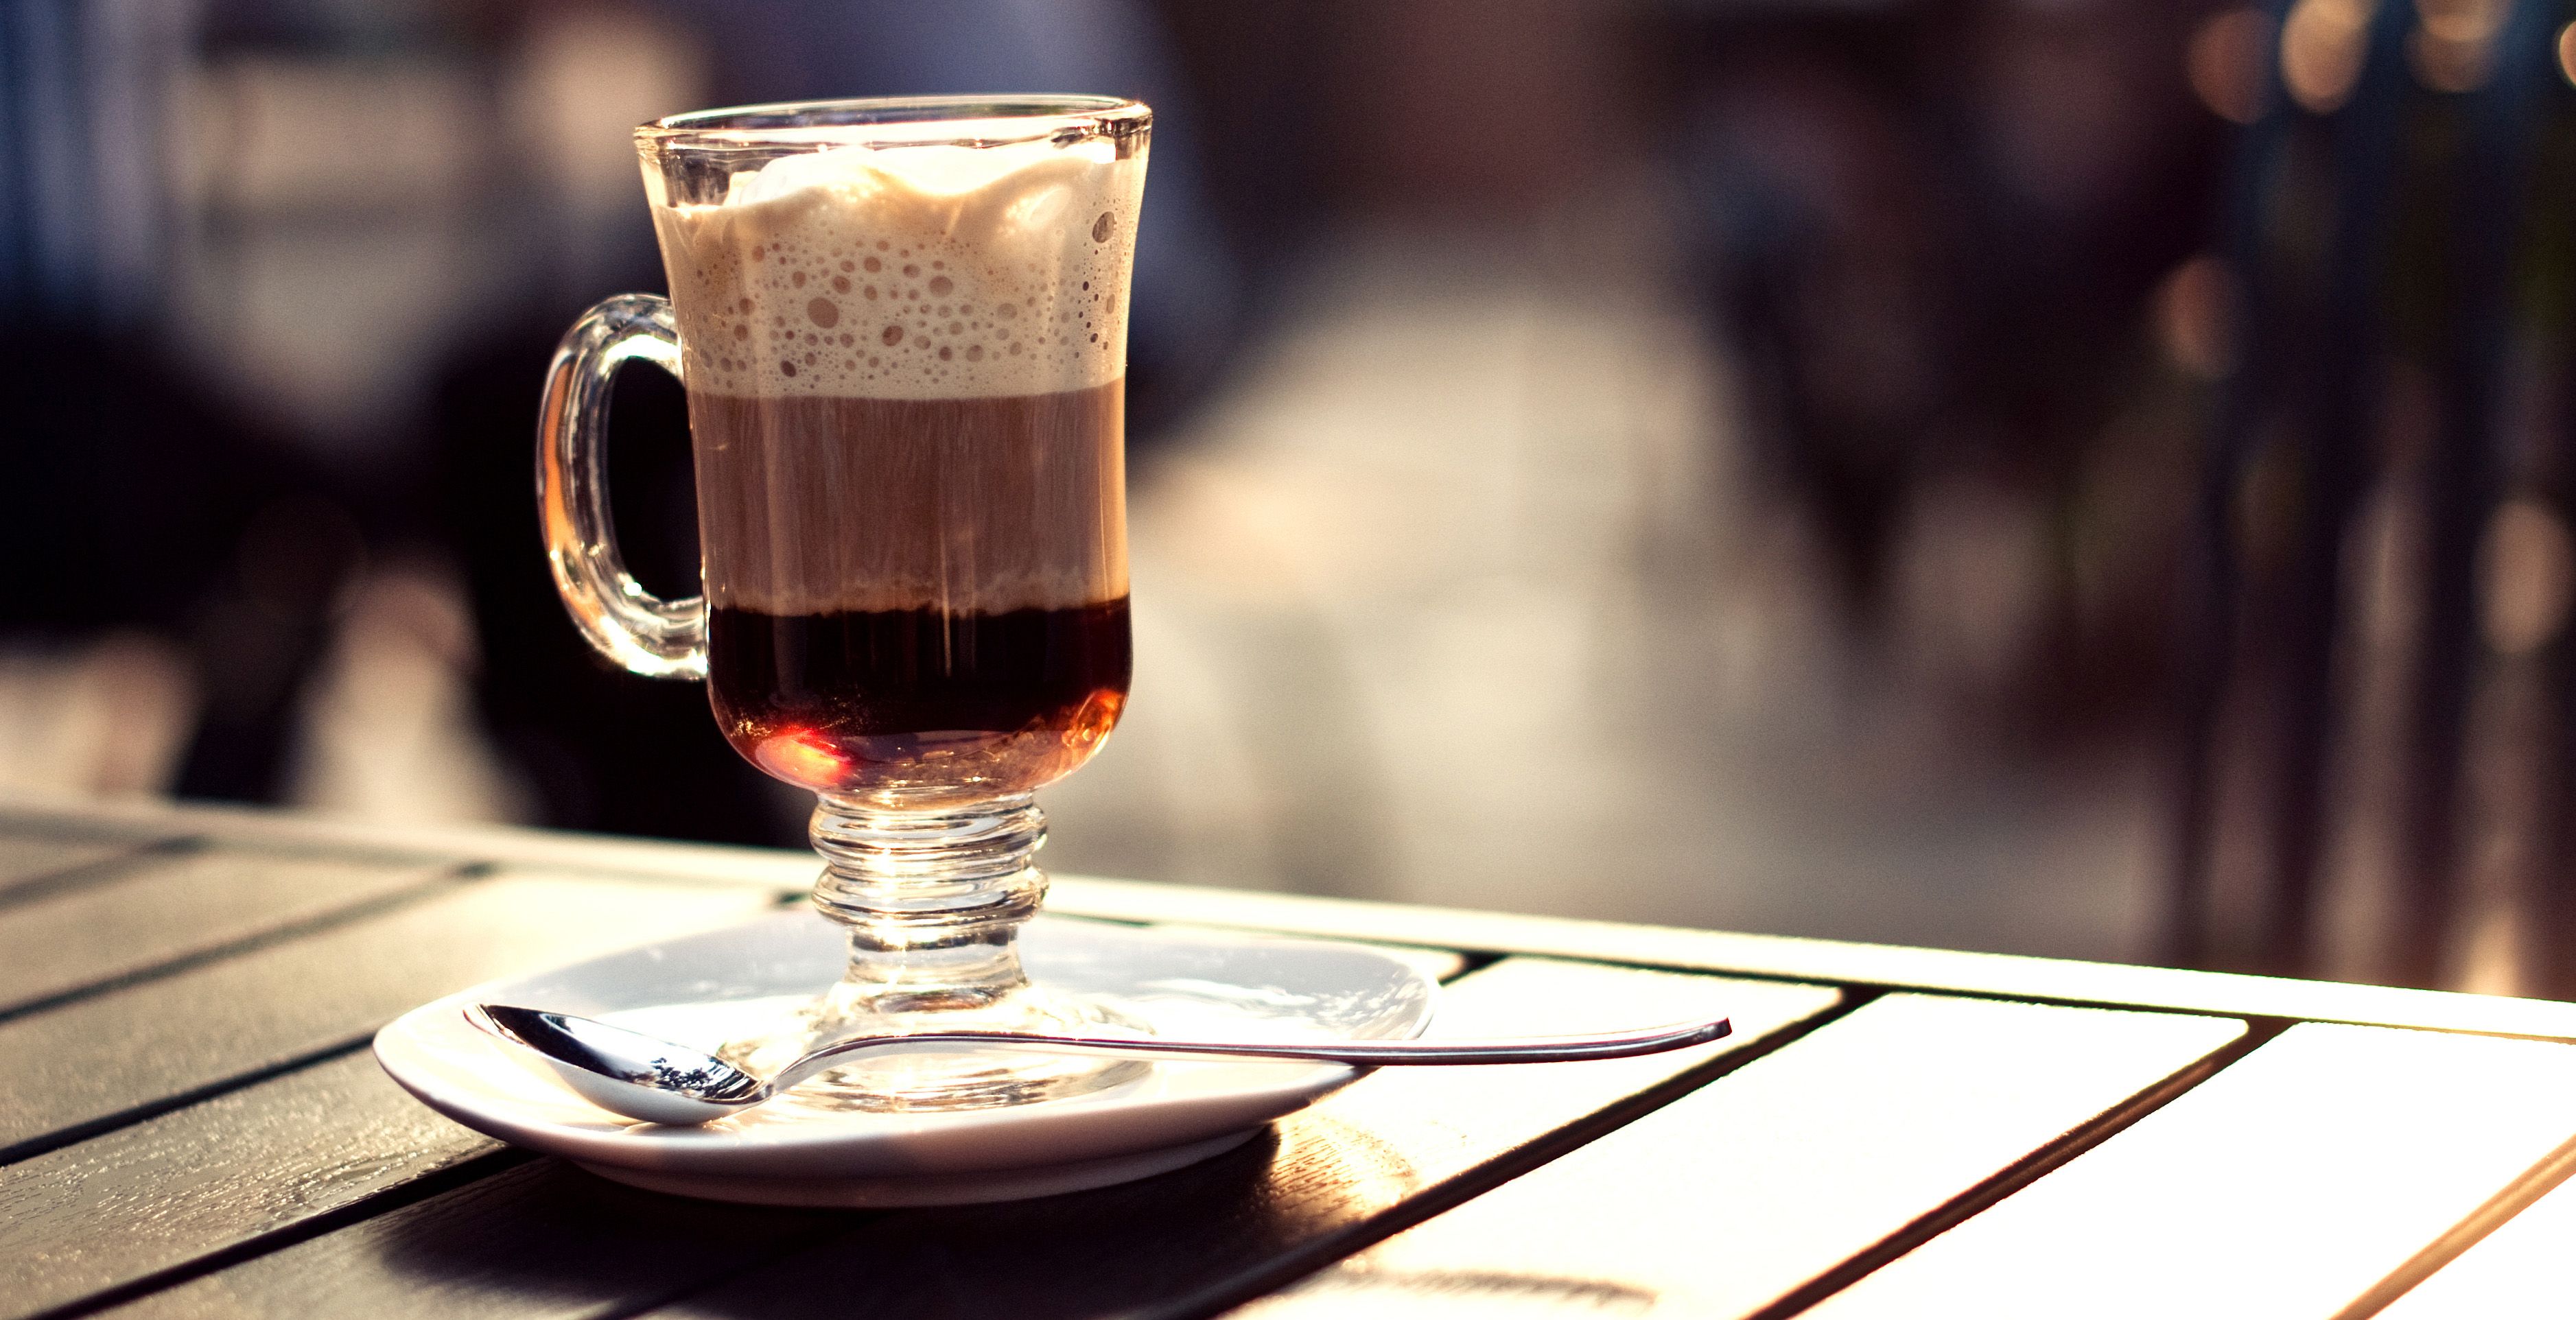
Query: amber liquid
point(919, 700)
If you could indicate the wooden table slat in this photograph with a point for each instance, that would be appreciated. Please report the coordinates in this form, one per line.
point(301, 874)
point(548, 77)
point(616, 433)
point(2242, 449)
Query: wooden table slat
point(1736, 1195)
point(1832, 962)
point(120, 1053)
point(154, 1196)
point(1395, 1136)
point(2288, 1185)
point(171, 906)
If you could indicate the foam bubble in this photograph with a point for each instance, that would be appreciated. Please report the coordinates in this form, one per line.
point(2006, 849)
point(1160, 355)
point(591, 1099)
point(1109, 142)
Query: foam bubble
point(967, 272)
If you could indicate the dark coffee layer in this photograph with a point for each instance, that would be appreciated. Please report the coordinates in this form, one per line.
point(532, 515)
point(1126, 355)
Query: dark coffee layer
point(821, 505)
point(919, 699)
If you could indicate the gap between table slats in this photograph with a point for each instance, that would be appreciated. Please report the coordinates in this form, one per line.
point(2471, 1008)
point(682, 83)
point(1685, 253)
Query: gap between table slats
point(47, 867)
point(187, 908)
point(2517, 1270)
point(2501, 1209)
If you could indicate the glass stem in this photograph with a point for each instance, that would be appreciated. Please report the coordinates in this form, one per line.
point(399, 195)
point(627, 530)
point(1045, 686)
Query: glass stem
point(933, 899)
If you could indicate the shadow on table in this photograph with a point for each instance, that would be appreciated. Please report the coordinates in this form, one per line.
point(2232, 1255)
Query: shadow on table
point(1220, 1231)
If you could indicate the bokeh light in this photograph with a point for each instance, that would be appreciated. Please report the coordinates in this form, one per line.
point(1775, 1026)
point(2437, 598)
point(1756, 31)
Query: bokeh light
point(2321, 50)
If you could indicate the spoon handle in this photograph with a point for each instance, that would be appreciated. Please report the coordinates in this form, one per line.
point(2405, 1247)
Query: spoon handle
point(1363, 1053)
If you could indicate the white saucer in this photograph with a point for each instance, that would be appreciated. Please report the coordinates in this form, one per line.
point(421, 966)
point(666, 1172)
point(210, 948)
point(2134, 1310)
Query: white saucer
point(1197, 982)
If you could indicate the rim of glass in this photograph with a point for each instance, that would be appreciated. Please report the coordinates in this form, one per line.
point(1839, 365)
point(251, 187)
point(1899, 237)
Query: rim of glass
point(972, 120)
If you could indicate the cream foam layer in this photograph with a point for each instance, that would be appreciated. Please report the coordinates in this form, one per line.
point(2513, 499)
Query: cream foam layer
point(924, 272)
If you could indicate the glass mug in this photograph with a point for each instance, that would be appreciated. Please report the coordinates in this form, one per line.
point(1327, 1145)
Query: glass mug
point(902, 328)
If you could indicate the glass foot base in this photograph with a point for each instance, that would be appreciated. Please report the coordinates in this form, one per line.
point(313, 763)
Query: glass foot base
point(977, 1079)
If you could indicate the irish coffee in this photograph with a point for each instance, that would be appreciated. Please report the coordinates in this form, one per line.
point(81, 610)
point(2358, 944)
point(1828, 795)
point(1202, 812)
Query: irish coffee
point(905, 371)
point(902, 326)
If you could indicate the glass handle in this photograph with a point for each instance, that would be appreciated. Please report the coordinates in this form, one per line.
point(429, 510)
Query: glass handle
point(649, 635)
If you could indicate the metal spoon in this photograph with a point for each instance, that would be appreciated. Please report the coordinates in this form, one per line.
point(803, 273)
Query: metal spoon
point(659, 1081)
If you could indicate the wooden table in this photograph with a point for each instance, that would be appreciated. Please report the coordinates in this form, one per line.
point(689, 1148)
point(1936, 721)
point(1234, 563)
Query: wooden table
point(191, 1123)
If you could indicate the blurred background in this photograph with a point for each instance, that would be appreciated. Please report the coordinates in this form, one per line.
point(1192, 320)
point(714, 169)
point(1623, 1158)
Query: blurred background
point(2076, 477)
